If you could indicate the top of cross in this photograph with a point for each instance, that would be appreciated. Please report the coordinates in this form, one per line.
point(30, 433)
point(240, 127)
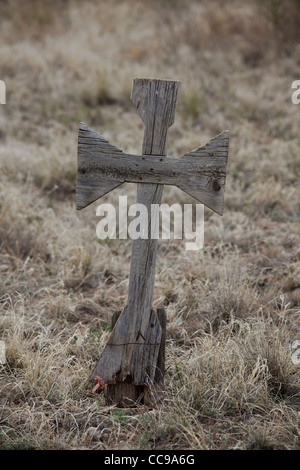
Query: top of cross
point(102, 167)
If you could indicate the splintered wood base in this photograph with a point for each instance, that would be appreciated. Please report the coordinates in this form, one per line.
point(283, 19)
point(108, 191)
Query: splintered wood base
point(125, 394)
point(132, 363)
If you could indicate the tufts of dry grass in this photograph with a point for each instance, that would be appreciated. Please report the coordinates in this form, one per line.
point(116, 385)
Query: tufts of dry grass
point(232, 308)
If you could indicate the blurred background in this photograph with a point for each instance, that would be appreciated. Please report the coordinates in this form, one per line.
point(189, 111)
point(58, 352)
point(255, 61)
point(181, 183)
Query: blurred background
point(233, 307)
point(68, 61)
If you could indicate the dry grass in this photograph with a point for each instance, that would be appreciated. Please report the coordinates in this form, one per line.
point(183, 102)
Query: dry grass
point(233, 308)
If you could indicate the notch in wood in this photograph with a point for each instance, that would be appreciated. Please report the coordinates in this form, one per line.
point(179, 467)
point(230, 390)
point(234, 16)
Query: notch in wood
point(155, 101)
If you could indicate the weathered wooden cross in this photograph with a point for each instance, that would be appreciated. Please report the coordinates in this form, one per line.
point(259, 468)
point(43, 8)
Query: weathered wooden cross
point(132, 362)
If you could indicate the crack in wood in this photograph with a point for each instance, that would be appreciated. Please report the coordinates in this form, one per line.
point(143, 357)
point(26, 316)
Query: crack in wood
point(128, 369)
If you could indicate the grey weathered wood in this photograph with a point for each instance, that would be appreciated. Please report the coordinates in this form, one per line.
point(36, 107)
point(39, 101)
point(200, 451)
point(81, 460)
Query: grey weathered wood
point(124, 394)
point(102, 167)
point(161, 360)
point(131, 354)
point(134, 357)
point(155, 101)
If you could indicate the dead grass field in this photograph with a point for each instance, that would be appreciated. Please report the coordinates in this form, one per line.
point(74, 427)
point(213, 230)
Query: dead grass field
point(233, 308)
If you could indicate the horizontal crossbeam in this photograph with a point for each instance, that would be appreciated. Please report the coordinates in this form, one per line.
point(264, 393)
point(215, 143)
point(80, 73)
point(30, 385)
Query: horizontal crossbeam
point(102, 167)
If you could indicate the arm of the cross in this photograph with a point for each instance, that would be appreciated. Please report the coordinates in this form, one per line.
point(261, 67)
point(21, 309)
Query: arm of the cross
point(102, 167)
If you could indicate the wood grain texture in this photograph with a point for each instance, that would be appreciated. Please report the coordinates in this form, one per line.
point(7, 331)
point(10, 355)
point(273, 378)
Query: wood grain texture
point(133, 347)
point(102, 167)
point(131, 354)
point(133, 359)
point(126, 394)
point(155, 101)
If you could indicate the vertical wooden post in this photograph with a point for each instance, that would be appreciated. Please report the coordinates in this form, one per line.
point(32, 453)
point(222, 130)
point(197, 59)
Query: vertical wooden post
point(132, 363)
point(155, 101)
point(140, 331)
point(128, 394)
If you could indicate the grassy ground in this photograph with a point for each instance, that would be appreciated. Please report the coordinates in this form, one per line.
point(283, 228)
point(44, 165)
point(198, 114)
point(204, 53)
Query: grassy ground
point(233, 308)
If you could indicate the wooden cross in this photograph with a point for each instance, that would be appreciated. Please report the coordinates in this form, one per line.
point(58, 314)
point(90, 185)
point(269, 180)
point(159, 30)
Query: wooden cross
point(132, 362)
